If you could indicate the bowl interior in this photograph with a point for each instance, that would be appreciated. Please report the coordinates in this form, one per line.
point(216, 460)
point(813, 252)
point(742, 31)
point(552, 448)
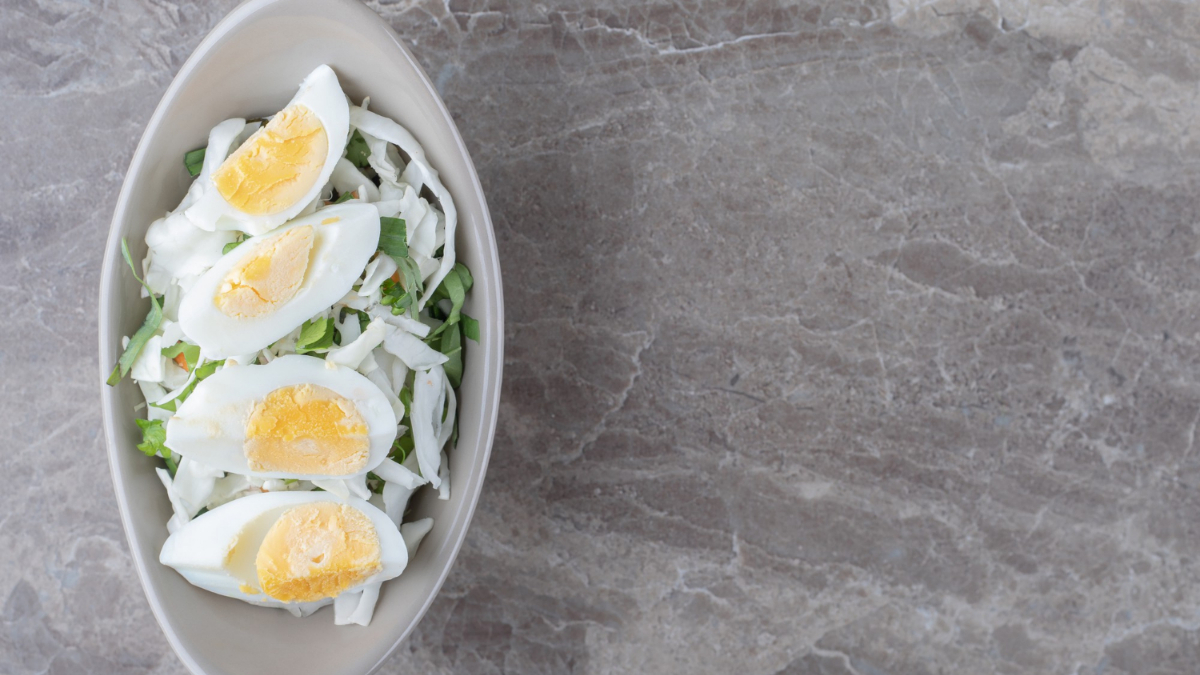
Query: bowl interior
point(250, 65)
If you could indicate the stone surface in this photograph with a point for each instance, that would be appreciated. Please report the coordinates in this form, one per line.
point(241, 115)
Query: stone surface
point(844, 338)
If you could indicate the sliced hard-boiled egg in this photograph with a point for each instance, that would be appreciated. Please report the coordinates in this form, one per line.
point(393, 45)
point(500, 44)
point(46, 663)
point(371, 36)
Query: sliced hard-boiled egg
point(281, 168)
point(295, 417)
point(287, 549)
point(269, 285)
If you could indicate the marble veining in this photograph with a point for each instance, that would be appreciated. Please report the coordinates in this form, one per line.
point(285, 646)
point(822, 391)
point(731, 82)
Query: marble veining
point(854, 338)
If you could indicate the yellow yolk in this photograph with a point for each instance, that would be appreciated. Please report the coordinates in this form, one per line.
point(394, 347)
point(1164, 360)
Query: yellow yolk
point(277, 166)
point(306, 429)
point(269, 277)
point(316, 551)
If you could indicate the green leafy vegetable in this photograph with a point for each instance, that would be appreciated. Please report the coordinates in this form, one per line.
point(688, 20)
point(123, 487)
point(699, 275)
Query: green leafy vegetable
point(410, 276)
point(364, 319)
point(406, 399)
point(451, 346)
point(194, 161)
point(393, 237)
point(401, 448)
point(401, 296)
point(143, 334)
point(453, 288)
point(191, 353)
point(457, 292)
point(374, 483)
point(153, 438)
point(345, 196)
point(470, 328)
point(233, 244)
point(200, 373)
point(315, 336)
point(465, 274)
point(357, 151)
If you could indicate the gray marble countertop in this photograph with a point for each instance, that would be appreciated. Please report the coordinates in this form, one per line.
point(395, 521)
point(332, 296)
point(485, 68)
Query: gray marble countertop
point(844, 338)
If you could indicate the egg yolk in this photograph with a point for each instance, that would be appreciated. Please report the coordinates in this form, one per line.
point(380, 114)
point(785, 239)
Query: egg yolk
point(277, 166)
point(317, 551)
point(306, 429)
point(268, 277)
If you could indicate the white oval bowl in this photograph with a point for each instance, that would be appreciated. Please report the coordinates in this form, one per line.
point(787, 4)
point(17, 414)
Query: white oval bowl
point(250, 64)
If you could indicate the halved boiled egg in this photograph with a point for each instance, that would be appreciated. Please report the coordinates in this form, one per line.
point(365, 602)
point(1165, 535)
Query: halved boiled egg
point(285, 549)
point(269, 285)
point(295, 417)
point(281, 168)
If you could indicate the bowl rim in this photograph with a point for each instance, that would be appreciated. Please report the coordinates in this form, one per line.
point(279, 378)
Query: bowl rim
point(489, 360)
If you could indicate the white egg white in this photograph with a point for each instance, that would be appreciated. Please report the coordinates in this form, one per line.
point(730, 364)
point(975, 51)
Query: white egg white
point(320, 93)
point(340, 252)
point(210, 426)
point(201, 549)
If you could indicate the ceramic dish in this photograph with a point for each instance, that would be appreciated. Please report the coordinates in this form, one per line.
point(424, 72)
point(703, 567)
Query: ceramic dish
point(250, 65)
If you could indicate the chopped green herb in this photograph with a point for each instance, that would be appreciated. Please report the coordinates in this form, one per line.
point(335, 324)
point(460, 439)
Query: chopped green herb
point(374, 483)
point(401, 447)
point(458, 294)
point(233, 244)
point(465, 275)
point(191, 353)
point(143, 334)
point(345, 196)
point(364, 320)
point(392, 241)
point(411, 277)
point(200, 373)
point(401, 296)
point(153, 437)
point(406, 399)
point(451, 346)
point(453, 288)
point(357, 151)
point(315, 336)
point(194, 161)
point(393, 237)
point(470, 328)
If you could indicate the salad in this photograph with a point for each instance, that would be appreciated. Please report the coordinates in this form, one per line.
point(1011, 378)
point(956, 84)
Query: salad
point(301, 354)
